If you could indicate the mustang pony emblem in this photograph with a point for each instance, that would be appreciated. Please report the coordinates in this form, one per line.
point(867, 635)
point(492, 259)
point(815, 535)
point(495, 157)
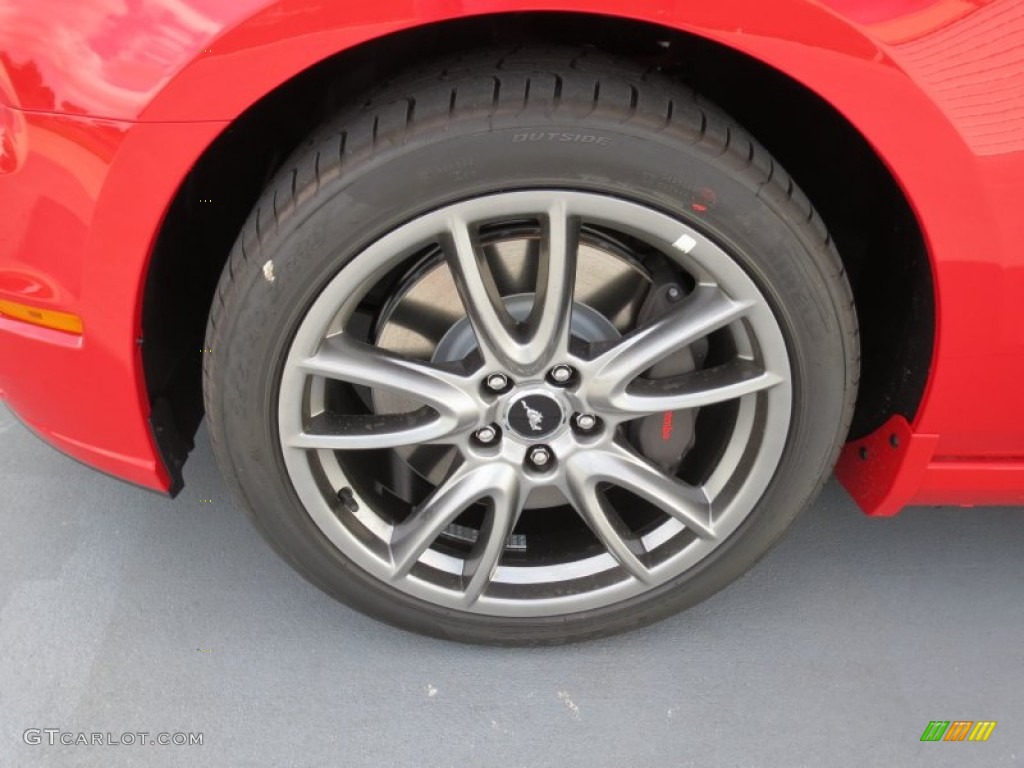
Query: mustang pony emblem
point(536, 417)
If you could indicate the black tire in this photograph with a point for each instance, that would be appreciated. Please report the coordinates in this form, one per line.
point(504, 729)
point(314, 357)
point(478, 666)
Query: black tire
point(562, 119)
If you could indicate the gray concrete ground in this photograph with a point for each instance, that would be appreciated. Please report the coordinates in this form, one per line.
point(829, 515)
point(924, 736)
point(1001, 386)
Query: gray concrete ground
point(123, 612)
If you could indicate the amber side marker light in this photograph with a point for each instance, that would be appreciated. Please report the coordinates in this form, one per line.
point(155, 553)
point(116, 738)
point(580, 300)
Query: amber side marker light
point(47, 318)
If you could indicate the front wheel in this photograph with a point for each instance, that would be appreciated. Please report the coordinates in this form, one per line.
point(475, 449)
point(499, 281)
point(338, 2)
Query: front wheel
point(532, 351)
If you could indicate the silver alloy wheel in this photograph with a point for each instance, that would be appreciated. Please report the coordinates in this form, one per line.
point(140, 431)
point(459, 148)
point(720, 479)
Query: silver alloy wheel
point(609, 382)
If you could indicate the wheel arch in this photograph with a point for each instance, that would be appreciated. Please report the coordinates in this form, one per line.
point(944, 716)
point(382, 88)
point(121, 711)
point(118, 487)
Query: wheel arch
point(846, 178)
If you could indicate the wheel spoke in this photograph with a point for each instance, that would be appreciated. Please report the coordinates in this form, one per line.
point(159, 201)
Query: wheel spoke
point(466, 486)
point(506, 504)
point(552, 310)
point(591, 505)
point(495, 329)
point(626, 469)
point(695, 389)
point(522, 348)
point(451, 408)
point(705, 310)
point(341, 432)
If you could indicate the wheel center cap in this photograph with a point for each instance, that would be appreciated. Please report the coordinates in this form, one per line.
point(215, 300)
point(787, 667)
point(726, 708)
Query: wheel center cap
point(534, 415)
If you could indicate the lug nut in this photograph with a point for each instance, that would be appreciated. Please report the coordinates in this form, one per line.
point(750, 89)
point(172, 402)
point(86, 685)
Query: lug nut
point(486, 435)
point(561, 374)
point(586, 421)
point(497, 382)
point(540, 457)
point(673, 293)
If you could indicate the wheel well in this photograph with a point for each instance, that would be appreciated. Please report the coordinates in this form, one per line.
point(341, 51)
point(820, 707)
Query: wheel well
point(868, 216)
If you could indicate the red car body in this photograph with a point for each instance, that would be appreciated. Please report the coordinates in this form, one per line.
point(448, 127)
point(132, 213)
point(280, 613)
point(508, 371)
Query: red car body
point(106, 107)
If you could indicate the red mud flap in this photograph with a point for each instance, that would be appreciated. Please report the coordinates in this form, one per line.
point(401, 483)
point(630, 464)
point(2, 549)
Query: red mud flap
point(884, 471)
